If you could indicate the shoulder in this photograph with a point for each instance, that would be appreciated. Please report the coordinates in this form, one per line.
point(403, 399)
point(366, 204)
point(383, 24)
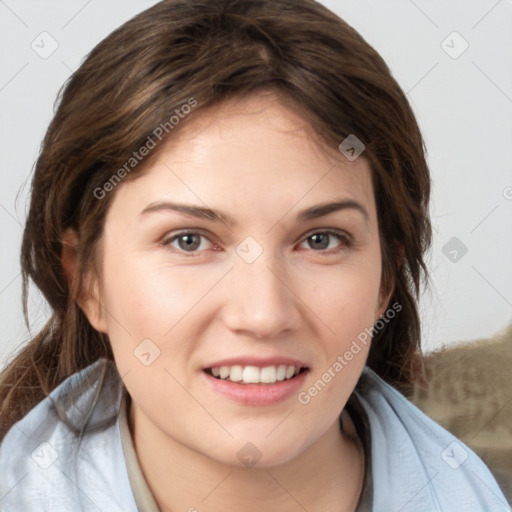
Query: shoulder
point(417, 465)
point(66, 453)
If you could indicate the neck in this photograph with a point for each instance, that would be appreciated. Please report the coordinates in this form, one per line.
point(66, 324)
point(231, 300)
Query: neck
point(327, 476)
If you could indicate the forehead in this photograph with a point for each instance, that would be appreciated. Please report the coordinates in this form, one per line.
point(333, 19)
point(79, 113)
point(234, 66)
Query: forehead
point(255, 125)
point(250, 153)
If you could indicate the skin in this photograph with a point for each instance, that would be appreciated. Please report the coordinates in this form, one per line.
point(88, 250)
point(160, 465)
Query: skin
point(254, 160)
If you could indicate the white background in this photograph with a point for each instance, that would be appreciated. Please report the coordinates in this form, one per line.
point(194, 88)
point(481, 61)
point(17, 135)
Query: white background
point(463, 105)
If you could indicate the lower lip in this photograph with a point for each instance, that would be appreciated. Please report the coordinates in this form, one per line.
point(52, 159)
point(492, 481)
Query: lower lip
point(257, 394)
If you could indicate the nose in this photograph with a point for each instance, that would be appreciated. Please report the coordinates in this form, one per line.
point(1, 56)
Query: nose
point(259, 301)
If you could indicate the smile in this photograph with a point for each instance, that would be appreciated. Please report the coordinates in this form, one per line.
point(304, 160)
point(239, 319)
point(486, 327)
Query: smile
point(256, 382)
point(255, 375)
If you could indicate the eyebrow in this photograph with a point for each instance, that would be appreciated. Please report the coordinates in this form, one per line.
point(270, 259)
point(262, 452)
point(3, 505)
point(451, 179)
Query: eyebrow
point(324, 209)
point(314, 212)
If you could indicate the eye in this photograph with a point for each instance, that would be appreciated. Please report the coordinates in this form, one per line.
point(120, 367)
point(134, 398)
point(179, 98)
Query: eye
point(188, 241)
point(326, 241)
point(193, 242)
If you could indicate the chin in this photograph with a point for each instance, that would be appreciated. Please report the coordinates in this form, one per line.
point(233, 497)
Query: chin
point(255, 451)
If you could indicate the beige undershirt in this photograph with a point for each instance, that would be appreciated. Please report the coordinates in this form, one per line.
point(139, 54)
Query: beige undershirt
point(142, 493)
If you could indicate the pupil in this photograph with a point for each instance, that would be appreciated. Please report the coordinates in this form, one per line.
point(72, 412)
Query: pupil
point(189, 242)
point(320, 240)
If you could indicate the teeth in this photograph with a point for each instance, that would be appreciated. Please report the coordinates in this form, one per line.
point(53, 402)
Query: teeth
point(290, 371)
point(236, 374)
point(268, 374)
point(255, 375)
point(251, 375)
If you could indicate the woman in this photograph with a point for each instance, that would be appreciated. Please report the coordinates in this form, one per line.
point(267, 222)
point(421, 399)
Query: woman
point(229, 217)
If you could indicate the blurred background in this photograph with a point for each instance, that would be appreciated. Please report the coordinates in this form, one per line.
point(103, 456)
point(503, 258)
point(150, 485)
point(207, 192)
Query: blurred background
point(453, 61)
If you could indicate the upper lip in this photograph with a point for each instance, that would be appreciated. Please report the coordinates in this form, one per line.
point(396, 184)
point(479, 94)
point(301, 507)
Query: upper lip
point(260, 362)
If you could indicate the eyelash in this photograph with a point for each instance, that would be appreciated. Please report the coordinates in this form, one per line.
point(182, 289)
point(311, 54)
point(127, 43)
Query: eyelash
point(343, 237)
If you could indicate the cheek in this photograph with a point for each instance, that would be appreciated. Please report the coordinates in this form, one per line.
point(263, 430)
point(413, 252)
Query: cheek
point(346, 303)
point(346, 298)
point(146, 298)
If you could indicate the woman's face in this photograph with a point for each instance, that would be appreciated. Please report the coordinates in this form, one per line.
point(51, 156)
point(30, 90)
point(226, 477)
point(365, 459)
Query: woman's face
point(244, 251)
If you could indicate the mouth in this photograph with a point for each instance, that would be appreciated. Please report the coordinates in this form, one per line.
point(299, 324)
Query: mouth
point(248, 374)
point(256, 382)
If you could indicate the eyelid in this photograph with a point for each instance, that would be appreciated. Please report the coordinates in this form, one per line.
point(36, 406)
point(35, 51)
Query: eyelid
point(170, 237)
point(344, 237)
point(344, 244)
point(340, 233)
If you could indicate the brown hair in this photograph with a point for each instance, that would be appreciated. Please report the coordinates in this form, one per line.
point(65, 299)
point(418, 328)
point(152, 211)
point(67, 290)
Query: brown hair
point(211, 50)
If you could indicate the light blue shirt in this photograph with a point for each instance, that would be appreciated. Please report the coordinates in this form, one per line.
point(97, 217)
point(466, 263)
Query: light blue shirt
point(416, 465)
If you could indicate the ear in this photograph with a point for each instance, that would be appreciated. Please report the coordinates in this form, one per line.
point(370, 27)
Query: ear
point(69, 254)
point(89, 298)
point(385, 298)
point(384, 302)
